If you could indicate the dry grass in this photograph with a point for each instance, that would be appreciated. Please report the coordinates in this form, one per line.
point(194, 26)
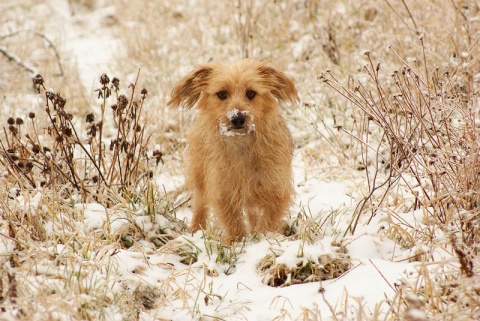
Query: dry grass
point(407, 127)
point(325, 267)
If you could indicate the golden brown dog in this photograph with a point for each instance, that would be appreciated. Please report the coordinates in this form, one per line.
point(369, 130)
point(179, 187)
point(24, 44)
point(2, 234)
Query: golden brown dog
point(239, 148)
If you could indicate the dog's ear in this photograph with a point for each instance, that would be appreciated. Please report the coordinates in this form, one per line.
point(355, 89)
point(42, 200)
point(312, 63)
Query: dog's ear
point(188, 90)
point(280, 85)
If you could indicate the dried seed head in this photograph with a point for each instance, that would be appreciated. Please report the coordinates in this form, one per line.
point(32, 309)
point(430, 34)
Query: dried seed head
point(38, 80)
point(122, 101)
point(104, 80)
point(158, 156)
point(90, 118)
point(21, 164)
point(114, 107)
point(13, 129)
point(11, 121)
point(50, 95)
point(115, 82)
point(46, 149)
point(68, 132)
point(19, 121)
point(36, 149)
point(61, 101)
point(144, 93)
point(31, 115)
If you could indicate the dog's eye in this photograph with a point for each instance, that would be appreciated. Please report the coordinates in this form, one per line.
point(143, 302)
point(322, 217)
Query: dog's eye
point(222, 95)
point(251, 94)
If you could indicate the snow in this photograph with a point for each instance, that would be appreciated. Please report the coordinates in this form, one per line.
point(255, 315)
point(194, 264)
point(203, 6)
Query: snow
point(212, 287)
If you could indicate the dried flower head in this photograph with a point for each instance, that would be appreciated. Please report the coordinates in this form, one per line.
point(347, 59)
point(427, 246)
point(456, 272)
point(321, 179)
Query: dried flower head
point(50, 95)
point(104, 79)
point(19, 121)
point(11, 121)
point(90, 118)
point(38, 82)
point(157, 155)
point(29, 166)
point(115, 82)
point(31, 115)
point(122, 101)
point(36, 149)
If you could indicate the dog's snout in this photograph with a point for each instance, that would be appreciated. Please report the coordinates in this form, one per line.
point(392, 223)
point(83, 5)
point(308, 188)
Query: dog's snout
point(238, 120)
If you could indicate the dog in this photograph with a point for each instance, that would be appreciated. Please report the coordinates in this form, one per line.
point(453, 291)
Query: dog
point(239, 147)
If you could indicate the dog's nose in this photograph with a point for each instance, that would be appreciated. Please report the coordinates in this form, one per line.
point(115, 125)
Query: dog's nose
point(238, 120)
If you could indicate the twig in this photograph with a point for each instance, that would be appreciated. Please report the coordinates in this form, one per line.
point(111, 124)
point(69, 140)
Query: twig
point(50, 43)
point(16, 60)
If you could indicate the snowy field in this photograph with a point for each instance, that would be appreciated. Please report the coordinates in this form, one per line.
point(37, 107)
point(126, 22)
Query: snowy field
point(355, 249)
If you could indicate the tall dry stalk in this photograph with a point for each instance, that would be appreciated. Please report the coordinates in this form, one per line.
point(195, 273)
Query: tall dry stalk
point(427, 133)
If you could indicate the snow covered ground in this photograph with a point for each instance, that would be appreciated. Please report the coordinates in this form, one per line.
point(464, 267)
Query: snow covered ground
point(195, 277)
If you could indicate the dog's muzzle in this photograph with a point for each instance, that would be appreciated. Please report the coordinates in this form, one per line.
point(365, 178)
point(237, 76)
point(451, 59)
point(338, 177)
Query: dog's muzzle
point(236, 123)
point(238, 120)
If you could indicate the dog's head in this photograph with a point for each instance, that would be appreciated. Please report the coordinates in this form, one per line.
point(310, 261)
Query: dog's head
point(235, 96)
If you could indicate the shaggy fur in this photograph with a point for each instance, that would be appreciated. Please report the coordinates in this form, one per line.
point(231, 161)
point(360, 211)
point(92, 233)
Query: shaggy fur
point(240, 149)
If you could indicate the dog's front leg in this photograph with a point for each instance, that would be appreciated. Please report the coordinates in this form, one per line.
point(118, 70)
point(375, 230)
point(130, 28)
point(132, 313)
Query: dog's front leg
point(200, 214)
point(230, 216)
point(271, 219)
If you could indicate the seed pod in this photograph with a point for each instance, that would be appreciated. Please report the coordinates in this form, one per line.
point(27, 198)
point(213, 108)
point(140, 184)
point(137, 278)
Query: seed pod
point(90, 118)
point(38, 80)
point(122, 101)
point(104, 80)
point(115, 82)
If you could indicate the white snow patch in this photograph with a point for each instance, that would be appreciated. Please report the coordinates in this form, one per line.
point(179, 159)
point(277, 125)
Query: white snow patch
point(30, 204)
